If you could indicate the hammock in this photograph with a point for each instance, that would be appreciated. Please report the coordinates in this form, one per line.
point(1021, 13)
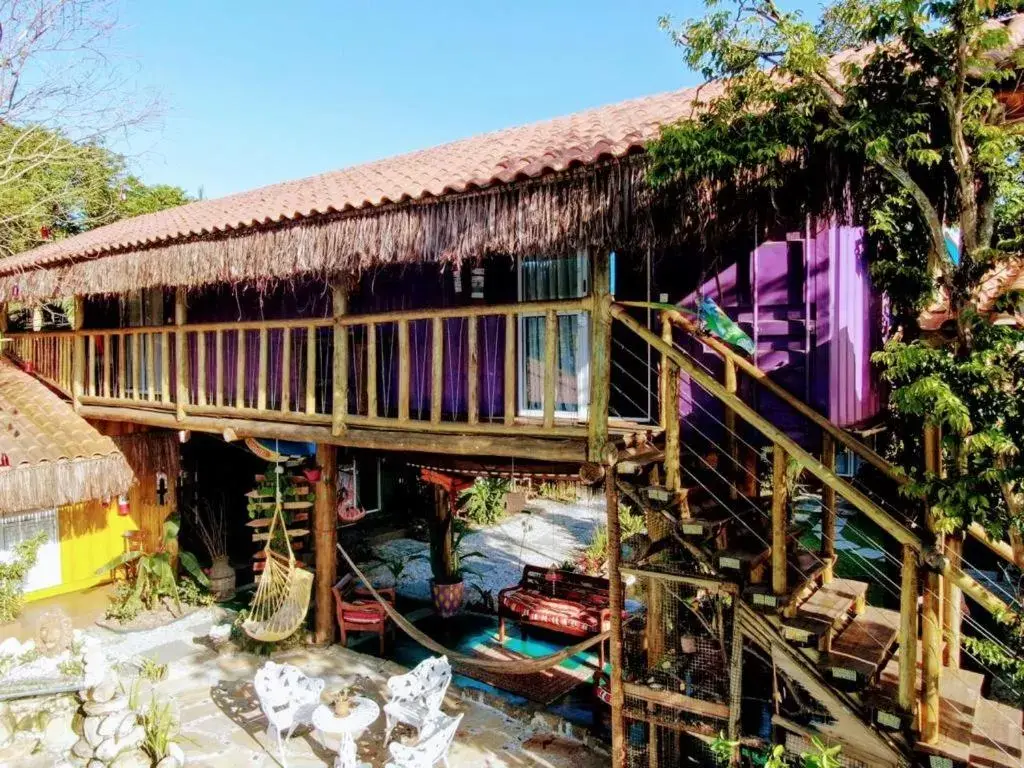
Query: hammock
point(282, 596)
point(516, 667)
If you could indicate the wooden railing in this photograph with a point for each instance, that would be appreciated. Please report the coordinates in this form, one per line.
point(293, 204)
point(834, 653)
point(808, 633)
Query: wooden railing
point(48, 355)
point(442, 370)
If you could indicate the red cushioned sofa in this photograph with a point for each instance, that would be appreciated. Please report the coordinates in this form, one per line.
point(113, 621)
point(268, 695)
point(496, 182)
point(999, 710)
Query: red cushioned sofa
point(562, 601)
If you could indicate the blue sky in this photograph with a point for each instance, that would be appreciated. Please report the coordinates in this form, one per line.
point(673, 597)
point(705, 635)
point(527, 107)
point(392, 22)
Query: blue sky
point(258, 91)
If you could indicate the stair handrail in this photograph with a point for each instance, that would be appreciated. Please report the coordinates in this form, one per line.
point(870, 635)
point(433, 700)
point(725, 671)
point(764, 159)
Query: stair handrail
point(1003, 549)
point(985, 597)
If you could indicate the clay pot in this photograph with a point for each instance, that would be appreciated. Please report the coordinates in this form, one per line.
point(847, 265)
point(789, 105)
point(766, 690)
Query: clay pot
point(448, 598)
point(222, 579)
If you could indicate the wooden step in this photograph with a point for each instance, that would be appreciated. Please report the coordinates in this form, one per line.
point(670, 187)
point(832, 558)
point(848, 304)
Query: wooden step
point(747, 564)
point(996, 738)
point(960, 690)
point(861, 649)
point(825, 613)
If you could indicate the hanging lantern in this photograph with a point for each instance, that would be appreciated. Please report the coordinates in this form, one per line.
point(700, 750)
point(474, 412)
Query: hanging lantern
point(123, 507)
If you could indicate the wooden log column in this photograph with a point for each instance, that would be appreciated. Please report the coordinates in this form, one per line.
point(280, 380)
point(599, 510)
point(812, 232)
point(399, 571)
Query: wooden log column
point(180, 355)
point(325, 540)
point(952, 603)
point(339, 307)
point(78, 371)
point(600, 354)
point(615, 603)
point(780, 508)
point(669, 382)
point(733, 471)
point(735, 684)
point(828, 511)
point(931, 610)
point(908, 631)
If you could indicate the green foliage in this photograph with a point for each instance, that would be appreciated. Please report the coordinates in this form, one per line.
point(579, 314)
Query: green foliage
point(55, 187)
point(154, 578)
point(160, 726)
point(995, 656)
point(151, 670)
point(73, 668)
point(562, 491)
point(267, 491)
point(722, 749)
point(395, 564)
point(459, 555)
point(483, 503)
point(593, 558)
point(12, 576)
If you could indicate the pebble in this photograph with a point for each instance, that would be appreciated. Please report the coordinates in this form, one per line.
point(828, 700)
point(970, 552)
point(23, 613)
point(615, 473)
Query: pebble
point(96, 708)
point(133, 758)
point(128, 722)
point(103, 692)
point(168, 762)
point(82, 749)
point(92, 731)
point(108, 725)
point(174, 750)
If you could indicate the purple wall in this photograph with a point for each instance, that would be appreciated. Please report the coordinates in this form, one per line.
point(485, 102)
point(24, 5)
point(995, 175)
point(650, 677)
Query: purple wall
point(808, 305)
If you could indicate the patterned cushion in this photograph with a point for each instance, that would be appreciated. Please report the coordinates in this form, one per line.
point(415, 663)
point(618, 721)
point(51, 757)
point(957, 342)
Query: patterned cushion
point(367, 612)
point(554, 612)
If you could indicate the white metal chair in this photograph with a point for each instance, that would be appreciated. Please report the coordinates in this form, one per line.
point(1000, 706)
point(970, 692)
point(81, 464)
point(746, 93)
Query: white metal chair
point(288, 698)
point(435, 740)
point(415, 697)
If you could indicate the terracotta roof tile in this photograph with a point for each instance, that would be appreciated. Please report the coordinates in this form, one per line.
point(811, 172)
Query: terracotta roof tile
point(49, 455)
point(481, 161)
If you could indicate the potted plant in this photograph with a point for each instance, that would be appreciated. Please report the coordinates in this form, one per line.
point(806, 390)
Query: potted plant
point(448, 558)
point(212, 529)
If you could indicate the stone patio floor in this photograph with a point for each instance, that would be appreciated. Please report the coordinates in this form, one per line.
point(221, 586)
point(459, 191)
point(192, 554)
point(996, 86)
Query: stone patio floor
point(222, 725)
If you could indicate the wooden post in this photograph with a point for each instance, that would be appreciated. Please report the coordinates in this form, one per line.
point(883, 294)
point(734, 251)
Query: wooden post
point(734, 470)
point(201, 368)
point(90, 365)
point(735, 684)
point(615, 603)
point(444, 531)
point(311, 369)
point(339, 305)
point(436, 370)
point(404, 367)
point(240, 372)
point(550, 366)
point(665, 400)
point(78, 357)
point(136, 366)
point(286, 369)
point(325, 528)
point(371, 370)
point(828, 510)
point(600, 355)
point(218, 374)
point(262, 353)
point(780, 507)
point(122, 375)
point(952, 603)
point(672, 481)
point(931, 612)
point(510, 368)
point(181, 358)
point(908, 631)
point(165, 367)
point(106, 364)
point(473, 375)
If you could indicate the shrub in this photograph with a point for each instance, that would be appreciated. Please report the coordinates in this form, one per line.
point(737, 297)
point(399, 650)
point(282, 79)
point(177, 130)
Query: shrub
point(483, 503)
point(12, 577)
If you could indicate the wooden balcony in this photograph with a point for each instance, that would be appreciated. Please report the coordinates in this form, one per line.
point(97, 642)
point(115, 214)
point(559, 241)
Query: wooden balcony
point(440, 380)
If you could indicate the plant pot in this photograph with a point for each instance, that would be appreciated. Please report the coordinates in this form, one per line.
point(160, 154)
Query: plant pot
point(448, 597)
point(222, 579)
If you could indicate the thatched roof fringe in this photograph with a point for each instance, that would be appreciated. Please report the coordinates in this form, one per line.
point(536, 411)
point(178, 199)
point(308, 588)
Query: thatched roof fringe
point(601, 206)
point(55, 483)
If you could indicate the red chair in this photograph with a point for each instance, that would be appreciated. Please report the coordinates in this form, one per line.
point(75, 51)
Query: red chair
point(358, 611)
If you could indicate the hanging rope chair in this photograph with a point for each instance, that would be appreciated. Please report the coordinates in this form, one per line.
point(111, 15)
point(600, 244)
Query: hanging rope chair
point(282, 595)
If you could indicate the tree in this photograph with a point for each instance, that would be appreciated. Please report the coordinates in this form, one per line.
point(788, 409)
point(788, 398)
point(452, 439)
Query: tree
point(894, 114)
point(64, 96)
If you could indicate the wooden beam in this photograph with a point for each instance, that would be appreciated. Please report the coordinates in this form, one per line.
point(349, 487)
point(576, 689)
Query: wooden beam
point(780, 519)
point(339, 308)
point(506, 446)
point(436, 370)
point(615, 604)
point(828, 509)
point(510, 367)
point(600, 353)
point(473, 373)
point(550, 366)
point(180, 355)
point(908, 632)
point(325, 540)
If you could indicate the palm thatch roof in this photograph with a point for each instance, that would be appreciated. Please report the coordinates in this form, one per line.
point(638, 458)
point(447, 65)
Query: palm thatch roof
point(49, 455)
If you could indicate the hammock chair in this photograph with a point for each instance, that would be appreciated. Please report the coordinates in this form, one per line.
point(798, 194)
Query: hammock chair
point(282, 595)
point(511, 667)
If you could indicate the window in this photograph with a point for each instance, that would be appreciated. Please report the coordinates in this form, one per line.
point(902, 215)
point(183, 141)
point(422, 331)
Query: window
point(549, 279)
point(15, 529)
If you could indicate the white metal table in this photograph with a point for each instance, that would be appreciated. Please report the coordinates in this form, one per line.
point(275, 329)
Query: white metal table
point(346, 729)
